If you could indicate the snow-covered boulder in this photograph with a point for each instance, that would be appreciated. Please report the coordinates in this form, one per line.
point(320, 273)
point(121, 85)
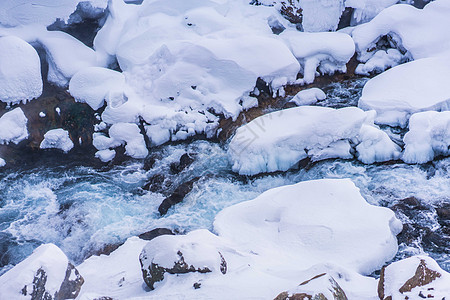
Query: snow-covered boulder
point(57, 139)
point(195, 252)
point(13, 126)
point(428, 137)
point(20, 71)
point(418, 33)
point(413, 87)
point(308, 96)
point(45, 274)
point(416, 277)
point(278, 140)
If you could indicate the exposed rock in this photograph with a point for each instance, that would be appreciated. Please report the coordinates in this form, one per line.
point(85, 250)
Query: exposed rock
point(185, 161)
point(163, 255)
point(414, 277)
point(150, 235)
point(177, 196)
point(320, 287)
point(155, 184)
point(45, 275)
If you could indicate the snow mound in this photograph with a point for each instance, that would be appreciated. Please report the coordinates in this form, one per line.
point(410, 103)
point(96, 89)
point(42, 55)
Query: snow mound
point(13, 127)
point(416, 277)
point(428, 137)
point(278, 140)
point(413, 87)
point(419, 33)
point(57, 139)
point(308, 96)
point(105, 155)
point(327, 52)
point(20, 71)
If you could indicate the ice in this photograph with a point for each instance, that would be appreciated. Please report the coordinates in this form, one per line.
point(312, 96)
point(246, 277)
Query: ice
point(308, 96)
point(365, 10)
point(278, 140)
point(2, 162)
point(428, 137)
point(57, 139)
point(396, 94)
point(380, 61)
point(20, 71)
point(13, 127)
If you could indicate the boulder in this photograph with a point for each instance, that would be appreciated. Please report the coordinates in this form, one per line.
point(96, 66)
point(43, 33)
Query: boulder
point(47, 274)
point(413, 278)
point(177, 196)
point(320, 287)
point(168, 254)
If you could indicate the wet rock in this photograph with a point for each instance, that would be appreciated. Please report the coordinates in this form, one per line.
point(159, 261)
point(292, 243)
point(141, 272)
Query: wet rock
point(185, 161)
point(308, 290)
point(155, 184)
point(177, 196)
point(150, 235)
point(149, 162)
point(45, 275)
point(178, 254)
point(413, 278)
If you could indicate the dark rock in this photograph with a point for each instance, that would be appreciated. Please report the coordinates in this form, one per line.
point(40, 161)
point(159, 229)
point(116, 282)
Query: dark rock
point(155, 184)
point(177, 196)
point(197, 285)
point(185, 161)
point(149, 162)
point(150, 235)
point(291, 12)
point(423, 276)
point(70, 288)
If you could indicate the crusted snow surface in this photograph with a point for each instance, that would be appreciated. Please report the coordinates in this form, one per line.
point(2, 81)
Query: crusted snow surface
point(278, 140)
point(20, 71)
point(47, 257)
point(13, 127)
point(57, 139)
point(270, 244)
point(396, 94)
point(428, 137)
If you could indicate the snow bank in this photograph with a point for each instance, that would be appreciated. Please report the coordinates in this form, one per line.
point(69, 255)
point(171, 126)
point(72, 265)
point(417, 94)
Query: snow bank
point(27, 275)
point(20, 71)
point(308, 96)
point(418, 32)
point(327, 52)
point(295, 233)
point(416, 277)
point(13, 127)
point(428, 137)
point(278, 140)
point(413, 87)
point(57, 139)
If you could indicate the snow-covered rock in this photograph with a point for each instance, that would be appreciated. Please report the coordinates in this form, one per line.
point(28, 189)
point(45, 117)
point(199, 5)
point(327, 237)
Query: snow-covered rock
point(57, 139)
point(45, 274)
point(20, 71)
point(13, 126)
point(105, 155)
point(308, 96)
point(396, 94)
point(428, 137)
point(365, 10)
point(418, 32)
point(380, 61)
point(278, 140)
point(416, 277)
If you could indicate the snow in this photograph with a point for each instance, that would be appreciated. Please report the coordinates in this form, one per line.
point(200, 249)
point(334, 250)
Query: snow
point(308, 96)
point(13, 127)
point(396, 94)
point(420, 32)
point(321, 15)
point(57, 139)
point(428, 137)
point(290, 240)
point(42, 114)
point(398, 273)
point(380, 61)
point(47, 257)
point(2, 162)
point(365, 10)
point(105, 155)
point(278, 140)
point(20, 71)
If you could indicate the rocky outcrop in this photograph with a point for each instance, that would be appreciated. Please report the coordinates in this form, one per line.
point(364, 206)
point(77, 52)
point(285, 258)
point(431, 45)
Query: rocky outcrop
point(45, 275)
point(177, 196)
point(179, 255)
point(320, 287)
point(413, 278)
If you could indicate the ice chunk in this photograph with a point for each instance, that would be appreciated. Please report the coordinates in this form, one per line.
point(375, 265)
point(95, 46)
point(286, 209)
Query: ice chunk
point(308, 96)
point(428, 137)
point(278, 140)
point(20, 71)
point(416, 86)
point(58, 139)
point(13, 127)
point(2, 162)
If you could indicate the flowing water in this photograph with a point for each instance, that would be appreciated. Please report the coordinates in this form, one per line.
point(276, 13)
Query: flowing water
point(83, 208)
